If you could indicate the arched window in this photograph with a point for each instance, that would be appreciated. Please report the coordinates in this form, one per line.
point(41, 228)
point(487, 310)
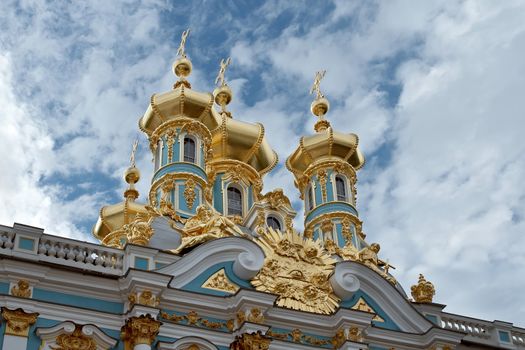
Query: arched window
point(189, 150)
point(158, 155)
point(309, 198)
point(340, 188)
point(234, 201)
point(273, 222)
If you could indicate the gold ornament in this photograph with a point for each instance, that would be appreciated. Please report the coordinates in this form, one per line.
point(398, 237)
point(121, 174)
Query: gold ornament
point(254, 341)
point(423, 291)
point(189, 193)
point(276, 199)
point(362, 305)
point(256, 315)
point(18, 321)
point(219, 281)
point(321, 177)
point(354, 334)
point(21, 289)
point(139, 230)
point(368, 257)
point(339, 338)
point(147, 298)
point(297, 270)
point(205, 226)
point(241, 317)
point(139, 330)
point(75, 341)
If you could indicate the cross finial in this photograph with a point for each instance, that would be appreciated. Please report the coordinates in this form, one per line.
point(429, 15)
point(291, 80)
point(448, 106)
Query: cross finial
point(133, 151)
point(220, 80)
point(316, 86)
point(181, 50)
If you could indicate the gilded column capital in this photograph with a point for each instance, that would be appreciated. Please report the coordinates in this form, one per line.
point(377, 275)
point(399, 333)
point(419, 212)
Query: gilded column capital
point(139, 330)
point(18, 321)
point(253, 341)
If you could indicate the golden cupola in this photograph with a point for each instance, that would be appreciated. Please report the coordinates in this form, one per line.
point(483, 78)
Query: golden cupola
point(225, 155)
point(324, 166)
point(127, 221)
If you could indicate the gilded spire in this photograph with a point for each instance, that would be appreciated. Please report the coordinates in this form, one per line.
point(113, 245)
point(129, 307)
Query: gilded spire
point(182, 66)
point(423, 291)
point(132, 175)
point(320, 105)
point(223, 94)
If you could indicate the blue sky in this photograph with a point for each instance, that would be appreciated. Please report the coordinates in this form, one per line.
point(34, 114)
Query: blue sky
point(433, 89)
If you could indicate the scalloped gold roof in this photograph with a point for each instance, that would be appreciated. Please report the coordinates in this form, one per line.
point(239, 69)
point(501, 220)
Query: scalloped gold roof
point(231, 138)
point(326, 144)
point(113, 217)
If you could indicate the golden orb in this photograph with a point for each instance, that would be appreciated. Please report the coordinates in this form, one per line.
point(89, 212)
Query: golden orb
point(223, 95)
point(320, 107)
point(132, 175)
point(182, 67)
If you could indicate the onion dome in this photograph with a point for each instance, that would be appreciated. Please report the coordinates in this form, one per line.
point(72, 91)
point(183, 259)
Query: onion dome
point(325, 145)
point(231, 139)
point(113, 218)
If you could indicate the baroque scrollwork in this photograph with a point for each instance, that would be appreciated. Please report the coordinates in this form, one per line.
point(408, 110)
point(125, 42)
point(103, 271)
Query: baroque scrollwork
point(75, 341)
point(297, 270)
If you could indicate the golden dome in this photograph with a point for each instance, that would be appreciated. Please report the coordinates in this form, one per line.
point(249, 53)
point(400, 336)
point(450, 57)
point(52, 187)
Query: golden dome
point(326, 144)
point(114, 217)
point(231, 139)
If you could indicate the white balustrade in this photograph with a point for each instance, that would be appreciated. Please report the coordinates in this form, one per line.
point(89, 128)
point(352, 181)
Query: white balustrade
point(518, 338)
point(471, 326)
point(58, 250)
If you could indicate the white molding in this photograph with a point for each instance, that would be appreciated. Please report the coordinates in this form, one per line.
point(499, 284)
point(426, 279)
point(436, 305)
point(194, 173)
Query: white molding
point(389, 299)
point(49, 335)
point(248, 259)
point(185, 342)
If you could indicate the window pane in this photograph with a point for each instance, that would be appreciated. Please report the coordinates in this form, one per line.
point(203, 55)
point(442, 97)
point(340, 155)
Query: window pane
point(340, 188)
point(272, 222)
point(309, 197)
point(234, 201)
point(189, 150)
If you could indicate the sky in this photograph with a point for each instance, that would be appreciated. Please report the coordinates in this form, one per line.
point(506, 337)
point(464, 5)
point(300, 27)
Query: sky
point(434, 89)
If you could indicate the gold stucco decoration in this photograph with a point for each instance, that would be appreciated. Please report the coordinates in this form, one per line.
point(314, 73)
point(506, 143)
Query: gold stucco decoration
point(423, 291)
point(189, 192)
point(18, 321)
point(362, 305)
point(139, 231)
point(75, 341)
point(206, 225)
point(297, 270)
point(253, 341)
point(219, 281)
point(21, 289)
point(139, 330)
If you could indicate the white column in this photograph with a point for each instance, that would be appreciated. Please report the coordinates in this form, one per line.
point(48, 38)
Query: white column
point(142, 347)
point(14, 342)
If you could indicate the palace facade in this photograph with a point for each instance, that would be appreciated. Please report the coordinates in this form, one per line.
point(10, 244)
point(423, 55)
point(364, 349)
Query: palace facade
point(209, 261)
